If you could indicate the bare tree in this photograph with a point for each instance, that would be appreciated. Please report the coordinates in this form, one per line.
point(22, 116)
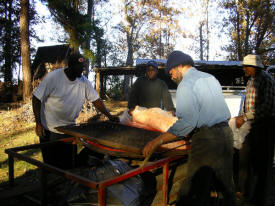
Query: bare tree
point(134, 18)
point(199, 12)
point(251, 28)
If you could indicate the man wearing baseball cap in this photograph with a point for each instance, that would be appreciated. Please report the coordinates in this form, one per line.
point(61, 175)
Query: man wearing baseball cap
point(57, 101)
point(256, 154)
point(149, 91)
point(203, 118)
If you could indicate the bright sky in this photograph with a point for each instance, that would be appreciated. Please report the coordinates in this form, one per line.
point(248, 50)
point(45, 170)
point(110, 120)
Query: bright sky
point(48, 30)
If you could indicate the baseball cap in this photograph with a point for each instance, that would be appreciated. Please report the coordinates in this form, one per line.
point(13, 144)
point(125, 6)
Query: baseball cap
point(152, 63)
point(176, 58)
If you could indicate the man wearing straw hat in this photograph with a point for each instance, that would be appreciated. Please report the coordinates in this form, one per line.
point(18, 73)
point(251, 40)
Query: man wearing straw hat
point(256, 155)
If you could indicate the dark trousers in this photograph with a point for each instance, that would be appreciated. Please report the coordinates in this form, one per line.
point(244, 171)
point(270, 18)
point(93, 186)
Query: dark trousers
point(59, 154)
point(256, 159)
point(210, 161)
point(203, 183)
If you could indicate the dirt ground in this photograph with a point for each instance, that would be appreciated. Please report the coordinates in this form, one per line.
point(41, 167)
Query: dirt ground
point(21, 114)
point(17, 129)
point(16, 118)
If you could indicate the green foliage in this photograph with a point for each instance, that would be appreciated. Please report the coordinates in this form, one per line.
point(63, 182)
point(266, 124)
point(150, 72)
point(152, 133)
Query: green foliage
point(9, 35)
point(115, 90)
point(10, 55)
point(150, 29)
point(70, 14)
point(21, 138)
point(162, 29)
point(88, 54)
point(99, 43)
point(83, 29)
point(251, 28)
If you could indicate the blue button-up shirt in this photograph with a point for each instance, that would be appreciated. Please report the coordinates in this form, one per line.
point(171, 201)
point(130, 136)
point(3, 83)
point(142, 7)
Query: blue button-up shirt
point(200, 102)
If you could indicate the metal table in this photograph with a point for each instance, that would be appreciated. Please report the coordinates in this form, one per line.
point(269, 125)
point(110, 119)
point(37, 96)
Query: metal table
point(84, 135)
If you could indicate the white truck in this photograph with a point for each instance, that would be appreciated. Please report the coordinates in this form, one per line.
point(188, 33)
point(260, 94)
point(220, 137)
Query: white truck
point(234, 98)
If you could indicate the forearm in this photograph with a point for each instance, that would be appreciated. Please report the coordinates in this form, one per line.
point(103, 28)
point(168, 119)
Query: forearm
point(36, 105)
point(166, 137)
point(151, 146)
point(249, 115)
point(101, 107)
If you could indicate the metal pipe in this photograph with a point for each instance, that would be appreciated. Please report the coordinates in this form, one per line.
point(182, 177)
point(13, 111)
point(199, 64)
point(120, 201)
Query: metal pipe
point(138, 171)
point(11, 169)
point(43, 180)
point(165, 183)
point(50, 168)
point(101, 195)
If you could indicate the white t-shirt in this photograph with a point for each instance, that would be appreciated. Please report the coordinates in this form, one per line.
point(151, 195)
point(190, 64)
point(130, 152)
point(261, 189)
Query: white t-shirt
point(62, 99)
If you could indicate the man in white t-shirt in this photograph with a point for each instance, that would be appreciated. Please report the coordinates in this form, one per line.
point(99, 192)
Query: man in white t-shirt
point(57, 101)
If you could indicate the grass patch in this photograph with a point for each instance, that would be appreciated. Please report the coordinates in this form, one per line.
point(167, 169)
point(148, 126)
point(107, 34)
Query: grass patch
point(19, 138)
point(17, 128)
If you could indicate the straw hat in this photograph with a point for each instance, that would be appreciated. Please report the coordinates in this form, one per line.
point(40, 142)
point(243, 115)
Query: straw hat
point(253, 60)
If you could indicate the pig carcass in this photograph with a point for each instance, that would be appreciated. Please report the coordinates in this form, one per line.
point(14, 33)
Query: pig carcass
point(155, 118)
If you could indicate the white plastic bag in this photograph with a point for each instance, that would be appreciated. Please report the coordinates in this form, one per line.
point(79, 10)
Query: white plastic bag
point(125, 118)
point(239, 134)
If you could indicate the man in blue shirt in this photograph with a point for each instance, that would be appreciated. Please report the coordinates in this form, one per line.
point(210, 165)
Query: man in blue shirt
point(203, 117)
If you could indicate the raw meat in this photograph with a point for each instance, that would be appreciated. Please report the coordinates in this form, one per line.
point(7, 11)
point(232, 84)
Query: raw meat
point(155, 118)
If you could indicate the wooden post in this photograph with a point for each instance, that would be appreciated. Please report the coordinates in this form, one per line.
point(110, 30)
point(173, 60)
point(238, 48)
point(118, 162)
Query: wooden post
point(98, 82)
point(101, 93)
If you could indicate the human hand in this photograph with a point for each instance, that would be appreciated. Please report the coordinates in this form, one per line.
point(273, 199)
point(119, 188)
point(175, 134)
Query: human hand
point(130, 112)
point(113, 118)
point(173, 113)
point(39, 130)
point(239, 121)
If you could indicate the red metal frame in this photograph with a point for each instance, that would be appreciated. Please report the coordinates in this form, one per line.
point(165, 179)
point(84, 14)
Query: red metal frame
point(100, 186)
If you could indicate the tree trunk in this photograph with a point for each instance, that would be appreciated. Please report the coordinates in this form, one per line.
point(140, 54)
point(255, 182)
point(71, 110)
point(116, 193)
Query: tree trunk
point(238, 36)
point(160, 37)
point(90, 14)
point(262, 29)
point(207, 32)
point(247, 33)
point(74, 45)
point(7, 52)
point(201, 42)
point(129, 62)
point(25, 51)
